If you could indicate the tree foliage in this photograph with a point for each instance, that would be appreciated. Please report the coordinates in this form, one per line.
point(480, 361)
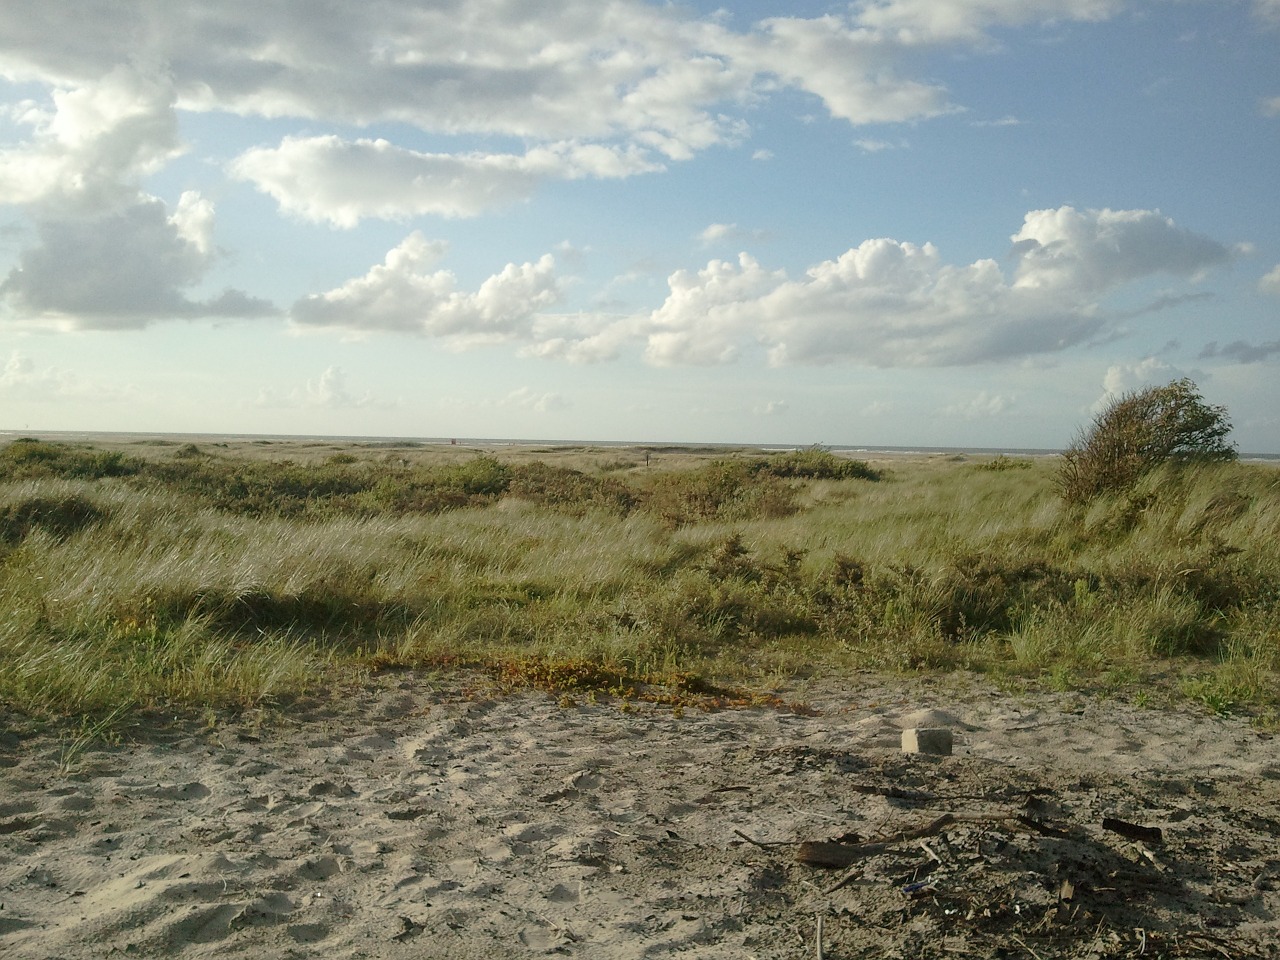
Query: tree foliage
point(1137, 432)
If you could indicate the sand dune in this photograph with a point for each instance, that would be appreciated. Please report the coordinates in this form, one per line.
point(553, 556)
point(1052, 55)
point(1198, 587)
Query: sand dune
point(411, 820)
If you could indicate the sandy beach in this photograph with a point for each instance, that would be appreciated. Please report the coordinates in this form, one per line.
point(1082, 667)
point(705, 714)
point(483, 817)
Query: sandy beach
point(422, 818)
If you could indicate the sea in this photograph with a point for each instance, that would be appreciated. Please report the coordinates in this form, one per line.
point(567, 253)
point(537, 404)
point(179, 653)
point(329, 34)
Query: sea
point(120, 437)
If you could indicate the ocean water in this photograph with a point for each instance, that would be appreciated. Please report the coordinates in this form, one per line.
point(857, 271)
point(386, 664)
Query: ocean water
point(128, 437)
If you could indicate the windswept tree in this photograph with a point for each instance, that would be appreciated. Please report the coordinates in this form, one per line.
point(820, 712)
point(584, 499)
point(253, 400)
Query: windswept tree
point(1137, 432)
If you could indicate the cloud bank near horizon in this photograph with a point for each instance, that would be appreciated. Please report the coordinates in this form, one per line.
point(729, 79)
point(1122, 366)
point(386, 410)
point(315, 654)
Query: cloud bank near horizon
point(883, 303)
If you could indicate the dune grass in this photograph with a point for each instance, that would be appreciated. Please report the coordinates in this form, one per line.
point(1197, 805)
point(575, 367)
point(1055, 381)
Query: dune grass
point(179, 578)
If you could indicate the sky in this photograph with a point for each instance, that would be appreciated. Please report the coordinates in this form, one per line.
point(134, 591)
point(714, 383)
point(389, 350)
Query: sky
point(963, 223)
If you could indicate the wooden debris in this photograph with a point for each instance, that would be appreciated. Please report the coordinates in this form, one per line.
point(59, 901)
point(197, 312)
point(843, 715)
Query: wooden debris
point(762, 844)
point(1133, 831)
point(824, 853)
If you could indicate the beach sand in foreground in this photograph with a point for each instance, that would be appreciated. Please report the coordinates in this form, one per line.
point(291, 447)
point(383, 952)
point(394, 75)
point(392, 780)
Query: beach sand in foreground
point(417, 819)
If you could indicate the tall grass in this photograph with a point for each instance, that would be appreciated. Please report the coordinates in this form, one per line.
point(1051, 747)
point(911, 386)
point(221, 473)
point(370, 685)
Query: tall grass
point(181, 579)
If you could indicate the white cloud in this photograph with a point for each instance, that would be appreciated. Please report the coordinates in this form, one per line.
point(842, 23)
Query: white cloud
point(1128, 377)
point(849, 69)
point(762, 155)
point(402, 294)
point(887, 303)
point(1271, 282)
point(21, 380)
point(980, 406)
point(526, 399)
point(616, 87)
point(344, 181)
point(521, 398)
point(722, 232)
point(877, 146)
point(704, 314)
point(717, 231)
point(1270, 106)
point(939, 21)
point(330, 392)
point(90, 149)
point(582, 337)
point(1094, 250)
point(193, 222)
point(121, 270)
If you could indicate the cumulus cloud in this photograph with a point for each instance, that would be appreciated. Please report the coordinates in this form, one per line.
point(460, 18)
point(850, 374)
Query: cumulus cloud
point(1094, 250)
point(344, 181)
point(526, 399)
point(980, 406)
point(1271, 282)
point(22, 380)
point(521, 398)
point(1125, 378)
point(705, 313)
point(402, 294)
point(723, 232)
point(883, 303)
point(890, 303)
point(122, 270)
point(329, 391)
point(95, 142)
point(582, 337)
point(717, 231)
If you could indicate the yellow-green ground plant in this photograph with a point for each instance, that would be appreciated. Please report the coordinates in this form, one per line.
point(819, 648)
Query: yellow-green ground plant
point(172, 577)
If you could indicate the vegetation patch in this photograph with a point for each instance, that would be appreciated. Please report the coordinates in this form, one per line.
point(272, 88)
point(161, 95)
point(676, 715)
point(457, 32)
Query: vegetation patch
point(220, 578)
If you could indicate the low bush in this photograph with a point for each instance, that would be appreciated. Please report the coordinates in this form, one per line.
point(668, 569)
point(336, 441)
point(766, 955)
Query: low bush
point(57, 516)
point(817, 463)
point(1139, 431)
point(25, 458)
point(726, 490)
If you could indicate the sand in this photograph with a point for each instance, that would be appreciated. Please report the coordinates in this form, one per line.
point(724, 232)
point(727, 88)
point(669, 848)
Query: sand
point(417, 818)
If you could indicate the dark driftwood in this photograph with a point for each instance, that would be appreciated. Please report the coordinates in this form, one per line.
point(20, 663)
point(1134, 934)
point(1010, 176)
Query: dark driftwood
point(1133, 831)
point(825, 853)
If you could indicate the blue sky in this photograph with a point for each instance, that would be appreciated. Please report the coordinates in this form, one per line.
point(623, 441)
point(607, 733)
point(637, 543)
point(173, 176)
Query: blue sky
point(909, 222)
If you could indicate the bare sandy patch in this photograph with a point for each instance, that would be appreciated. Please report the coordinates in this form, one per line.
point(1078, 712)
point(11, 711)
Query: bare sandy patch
point(409, 820)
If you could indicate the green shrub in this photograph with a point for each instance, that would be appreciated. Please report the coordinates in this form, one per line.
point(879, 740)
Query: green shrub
point(1003, 462)
point(818, 463)
point(58, 516)
point(732, 489)
point(1139, 431)
point(567, 489)
point(26, 458)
